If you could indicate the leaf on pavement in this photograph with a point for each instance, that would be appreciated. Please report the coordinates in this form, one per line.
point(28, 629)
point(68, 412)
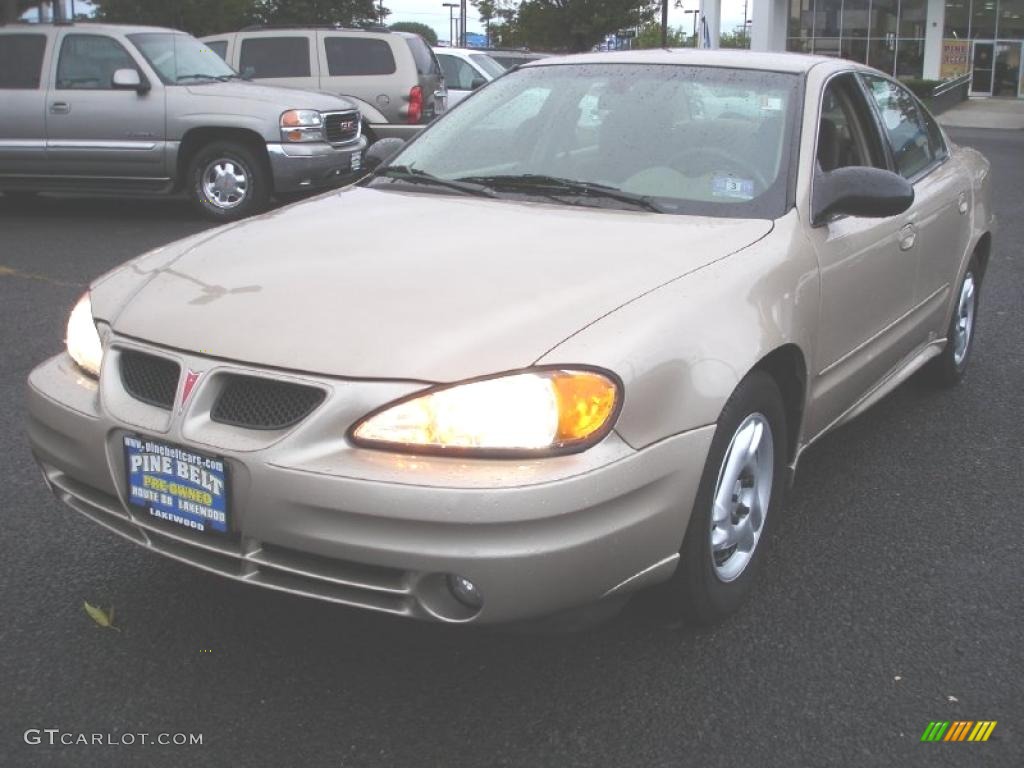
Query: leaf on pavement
point(100, 616)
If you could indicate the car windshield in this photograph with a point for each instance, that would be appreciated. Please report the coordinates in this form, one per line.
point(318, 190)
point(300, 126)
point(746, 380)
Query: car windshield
point(487, 64)
point(180, 59)
point(677, 139)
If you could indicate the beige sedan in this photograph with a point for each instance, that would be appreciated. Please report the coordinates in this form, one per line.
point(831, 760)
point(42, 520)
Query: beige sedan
point(663, 276)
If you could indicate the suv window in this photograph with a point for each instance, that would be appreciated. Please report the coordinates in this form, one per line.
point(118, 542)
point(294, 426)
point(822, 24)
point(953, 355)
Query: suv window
point(846, 133)
point(348, 56)
point(88, 62)
point(21, 60)
point(458, 75)
point(220, 47)
point(426, 64)
point(903, 122)
point(263, 57)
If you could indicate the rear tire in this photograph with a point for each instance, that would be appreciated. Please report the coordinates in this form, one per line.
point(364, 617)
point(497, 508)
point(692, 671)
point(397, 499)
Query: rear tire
point(738, 500)
point(227, 182)
point(949, 367)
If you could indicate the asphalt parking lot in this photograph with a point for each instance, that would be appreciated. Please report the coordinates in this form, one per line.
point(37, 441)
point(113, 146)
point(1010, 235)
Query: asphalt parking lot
point(892, 596)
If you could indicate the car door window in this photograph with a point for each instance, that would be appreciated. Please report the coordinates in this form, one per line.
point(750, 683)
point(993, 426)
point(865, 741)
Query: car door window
point(88, 62)
point(220, 47)
point(21, 61)
point(846, 133)
point(904, 125)
point(266, 57)
point(458, 74)
point(355, 56)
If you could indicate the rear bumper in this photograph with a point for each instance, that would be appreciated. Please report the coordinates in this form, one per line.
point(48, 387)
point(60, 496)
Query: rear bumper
point(381, 531)
point(299, 167)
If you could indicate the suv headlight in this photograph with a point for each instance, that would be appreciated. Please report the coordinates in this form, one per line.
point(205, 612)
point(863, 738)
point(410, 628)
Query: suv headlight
point(538, 411)
point(83, 340)
point(299, 125)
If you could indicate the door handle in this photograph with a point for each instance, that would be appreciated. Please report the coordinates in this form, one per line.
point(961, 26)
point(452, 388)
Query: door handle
point(961, 203)
point(908, 236)
point(60, 108)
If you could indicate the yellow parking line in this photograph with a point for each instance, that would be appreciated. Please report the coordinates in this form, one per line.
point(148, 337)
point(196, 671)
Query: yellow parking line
point(11, 272)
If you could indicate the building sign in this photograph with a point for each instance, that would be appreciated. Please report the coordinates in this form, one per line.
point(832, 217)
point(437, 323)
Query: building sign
point(955, 57)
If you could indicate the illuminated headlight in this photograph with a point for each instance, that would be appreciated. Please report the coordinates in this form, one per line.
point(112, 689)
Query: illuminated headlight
point(543, 410)
point(83, 340)
point(299, 125)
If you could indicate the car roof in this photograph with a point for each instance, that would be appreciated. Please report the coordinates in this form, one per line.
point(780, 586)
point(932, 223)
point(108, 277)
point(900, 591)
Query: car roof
point(87, 26)
point(718, 57)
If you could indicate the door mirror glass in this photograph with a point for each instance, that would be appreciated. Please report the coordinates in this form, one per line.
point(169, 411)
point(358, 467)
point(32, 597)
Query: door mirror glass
point(127, 80)
point(381, 152)
point(476, 83)
point(857, 191)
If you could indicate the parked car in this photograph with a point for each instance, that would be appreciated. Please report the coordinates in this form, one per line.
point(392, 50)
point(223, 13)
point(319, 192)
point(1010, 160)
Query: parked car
point(144, 110)
point(465, 70)
point(392, 77)
point(670, 310)
point(513, 57)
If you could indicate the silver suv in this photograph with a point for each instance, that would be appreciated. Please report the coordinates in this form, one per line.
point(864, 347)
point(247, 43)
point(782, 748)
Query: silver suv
point(144, 110)
point(393, 77)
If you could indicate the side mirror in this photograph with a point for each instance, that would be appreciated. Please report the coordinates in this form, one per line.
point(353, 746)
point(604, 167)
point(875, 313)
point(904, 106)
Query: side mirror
point(857, 191)
point(128, 80)
point(249, 73)
point(476, 82)
point(380, 152)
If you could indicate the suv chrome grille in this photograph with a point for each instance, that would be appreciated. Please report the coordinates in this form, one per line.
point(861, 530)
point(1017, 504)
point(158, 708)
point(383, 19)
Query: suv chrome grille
point(256, 403)
point(149, 378)
point(340, 127)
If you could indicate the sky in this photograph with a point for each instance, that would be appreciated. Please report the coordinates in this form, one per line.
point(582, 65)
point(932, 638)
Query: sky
point(434, 14)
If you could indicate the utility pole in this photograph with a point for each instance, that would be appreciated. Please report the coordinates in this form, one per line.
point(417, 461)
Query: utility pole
point(664, 23)
point(451, 22)
point(462, 33)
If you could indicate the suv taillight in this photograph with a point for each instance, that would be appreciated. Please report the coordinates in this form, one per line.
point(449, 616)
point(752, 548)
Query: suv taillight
point(415, 104)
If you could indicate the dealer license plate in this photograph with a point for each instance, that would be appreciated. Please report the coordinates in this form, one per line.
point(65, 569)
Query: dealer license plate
point(176, 484)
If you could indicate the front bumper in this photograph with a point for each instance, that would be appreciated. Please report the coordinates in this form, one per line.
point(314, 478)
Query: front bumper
point(316, 516)
point(301, 167)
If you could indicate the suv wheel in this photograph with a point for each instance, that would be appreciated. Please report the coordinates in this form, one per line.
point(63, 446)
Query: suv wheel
point(738, 499)
point(227, 182)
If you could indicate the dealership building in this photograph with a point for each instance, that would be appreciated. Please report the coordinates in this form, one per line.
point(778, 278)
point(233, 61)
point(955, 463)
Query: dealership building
point(933, 39)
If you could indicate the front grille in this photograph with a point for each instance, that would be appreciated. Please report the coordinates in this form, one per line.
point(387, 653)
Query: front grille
point(149, 378)
point(340, 127)
point(255, 403)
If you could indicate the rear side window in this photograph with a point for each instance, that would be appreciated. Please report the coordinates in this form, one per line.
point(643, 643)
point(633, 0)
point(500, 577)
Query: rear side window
point(903, 122)
point(88, 62)
point(21, 60)
point(263, 57)
point(349, 56)
point(220, 47)
point(458, 75)
point(426, 64)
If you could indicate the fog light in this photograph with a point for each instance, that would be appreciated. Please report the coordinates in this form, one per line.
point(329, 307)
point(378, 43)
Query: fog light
point(465, 591)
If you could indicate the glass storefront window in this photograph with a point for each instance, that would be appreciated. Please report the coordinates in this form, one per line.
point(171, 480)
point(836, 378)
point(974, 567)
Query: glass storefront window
point(910, 58)
point(855, 19)
point(882, 54)
point(855, 49)
point(912, 18)
point(1011, 19)
point(826, 46)
point(826, 19)
point(801, 18)
point(983, 20)
point(883, 18)
point(957, 15)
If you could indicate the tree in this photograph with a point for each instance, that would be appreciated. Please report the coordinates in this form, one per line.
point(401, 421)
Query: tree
point(578, 25)
point(649, 36)
point(203, 17)
point(738, 38)
point(427, 33)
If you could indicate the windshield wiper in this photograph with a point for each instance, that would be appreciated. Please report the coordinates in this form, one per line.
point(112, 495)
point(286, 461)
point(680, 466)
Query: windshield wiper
point(416, 176)
point(218, 78)
point(553, 186)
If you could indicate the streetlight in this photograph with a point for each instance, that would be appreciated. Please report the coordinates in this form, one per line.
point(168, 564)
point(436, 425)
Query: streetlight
point(695, 11)
point(451, 22)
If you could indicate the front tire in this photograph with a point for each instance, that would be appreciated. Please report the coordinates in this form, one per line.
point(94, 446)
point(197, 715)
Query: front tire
point(739, 497)
point(948, 368)
point(227, 182)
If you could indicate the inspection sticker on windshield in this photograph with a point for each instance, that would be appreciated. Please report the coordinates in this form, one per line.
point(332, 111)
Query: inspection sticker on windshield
point(177, 485)
point(771, 103)
point(731, 187)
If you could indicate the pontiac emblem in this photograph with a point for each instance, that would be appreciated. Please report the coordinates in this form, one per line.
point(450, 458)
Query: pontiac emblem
point(191, 377)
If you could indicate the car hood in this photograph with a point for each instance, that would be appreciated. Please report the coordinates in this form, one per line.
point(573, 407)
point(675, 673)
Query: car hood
point(285, 98)
point(384, 284)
